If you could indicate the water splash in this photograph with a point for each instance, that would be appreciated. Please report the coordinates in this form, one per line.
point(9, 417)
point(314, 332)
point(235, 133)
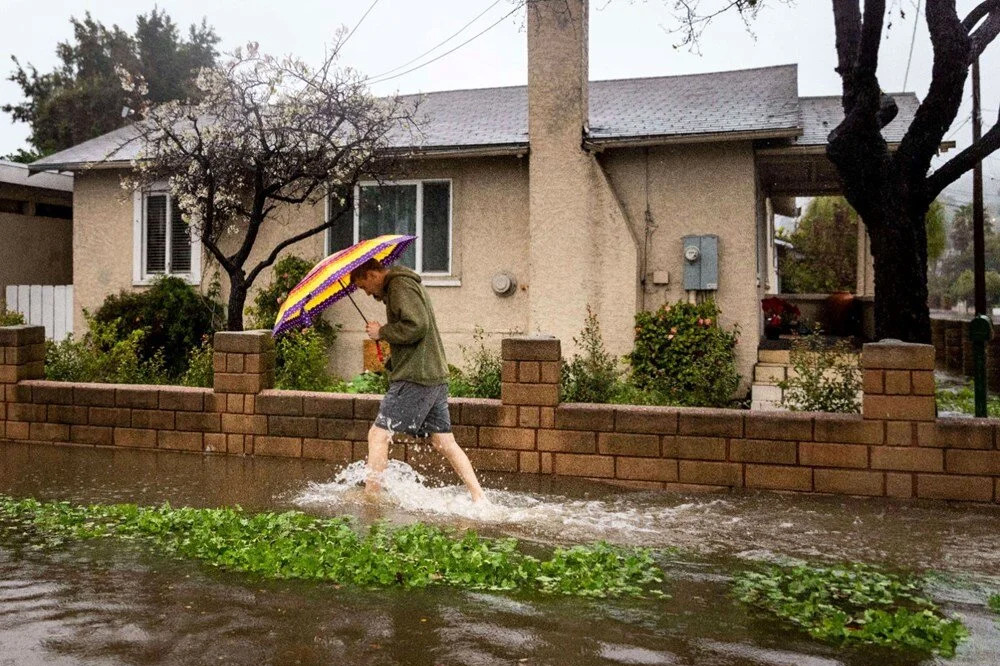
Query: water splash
point(550, 517)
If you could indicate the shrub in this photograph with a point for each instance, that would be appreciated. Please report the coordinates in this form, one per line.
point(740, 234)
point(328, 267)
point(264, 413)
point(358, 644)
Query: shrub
point(368, 382)
point(683, 354)
point(303, 358)
point(827, 377)
point(592, 376)
point(10, 318)
point(481, 378)
point(288, 272)
point(103, 356)
point(174, 316)
point(200, 365)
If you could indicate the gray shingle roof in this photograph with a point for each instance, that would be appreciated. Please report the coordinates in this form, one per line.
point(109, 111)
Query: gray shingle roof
point(821, 114)
point(763, 101)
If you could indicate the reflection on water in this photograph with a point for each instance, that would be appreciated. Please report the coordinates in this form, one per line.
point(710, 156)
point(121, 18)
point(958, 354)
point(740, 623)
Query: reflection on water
point(111, 603)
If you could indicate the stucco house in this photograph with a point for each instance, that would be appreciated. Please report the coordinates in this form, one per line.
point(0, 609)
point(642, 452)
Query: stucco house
point(36, 228)
point(533, 202)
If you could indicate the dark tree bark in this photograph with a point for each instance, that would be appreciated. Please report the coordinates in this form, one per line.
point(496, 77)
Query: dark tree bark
point(892, 192)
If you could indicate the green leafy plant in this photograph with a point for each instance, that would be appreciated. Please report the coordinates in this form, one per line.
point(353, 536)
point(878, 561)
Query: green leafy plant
point(481, 378)
point(593, 375)
point(303, 356)
point(200, 367)
point(825, 378)
point(10, 318)
point(174, 316)
point(367, 382)
point(296, 545)
point(852, 603)
point(963, 401)
point(103, 355)
point(683, 354)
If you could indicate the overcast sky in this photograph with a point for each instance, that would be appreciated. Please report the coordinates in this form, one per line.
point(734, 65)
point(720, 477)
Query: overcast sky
point(628, 38)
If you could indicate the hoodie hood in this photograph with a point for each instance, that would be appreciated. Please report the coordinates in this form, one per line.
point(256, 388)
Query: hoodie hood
point(399, 271)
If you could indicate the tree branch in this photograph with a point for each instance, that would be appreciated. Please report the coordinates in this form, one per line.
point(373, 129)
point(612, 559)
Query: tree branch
point(953, 169)
point(295, 239)
point(847, 27)
point(944, 97)
point(987, 32)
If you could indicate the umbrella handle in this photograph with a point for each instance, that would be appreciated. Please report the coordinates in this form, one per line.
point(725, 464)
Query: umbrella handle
point(378, 351)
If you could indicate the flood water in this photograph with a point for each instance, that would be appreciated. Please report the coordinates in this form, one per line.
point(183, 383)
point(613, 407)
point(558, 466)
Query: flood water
point(106, 602)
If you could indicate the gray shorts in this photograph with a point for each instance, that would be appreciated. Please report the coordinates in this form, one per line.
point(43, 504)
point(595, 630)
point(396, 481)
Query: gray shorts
point(414, 409)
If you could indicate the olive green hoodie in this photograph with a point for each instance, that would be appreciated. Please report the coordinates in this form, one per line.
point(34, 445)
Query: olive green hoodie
point(417, 351)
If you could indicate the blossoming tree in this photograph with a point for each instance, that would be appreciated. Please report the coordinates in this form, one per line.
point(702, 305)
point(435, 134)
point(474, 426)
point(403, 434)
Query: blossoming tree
point(268, 135)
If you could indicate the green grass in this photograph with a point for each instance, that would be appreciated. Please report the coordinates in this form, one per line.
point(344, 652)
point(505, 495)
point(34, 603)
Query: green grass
point(852, 604)
point(962, 400)
point(296, 545)
point(994, 603)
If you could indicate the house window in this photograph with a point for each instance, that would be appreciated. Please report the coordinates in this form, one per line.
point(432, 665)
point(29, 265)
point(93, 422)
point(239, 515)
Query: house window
point(421, 208)
point(13, 206)
point(163, 244)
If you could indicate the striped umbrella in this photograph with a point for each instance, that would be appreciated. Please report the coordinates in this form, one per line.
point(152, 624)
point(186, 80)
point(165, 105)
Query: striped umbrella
point(330, 280)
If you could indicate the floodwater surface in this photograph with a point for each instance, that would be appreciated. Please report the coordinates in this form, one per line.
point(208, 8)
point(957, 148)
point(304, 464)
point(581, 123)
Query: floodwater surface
point(111, 602)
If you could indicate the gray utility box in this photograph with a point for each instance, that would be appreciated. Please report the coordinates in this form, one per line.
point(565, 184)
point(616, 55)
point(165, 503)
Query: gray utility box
point(701, 263)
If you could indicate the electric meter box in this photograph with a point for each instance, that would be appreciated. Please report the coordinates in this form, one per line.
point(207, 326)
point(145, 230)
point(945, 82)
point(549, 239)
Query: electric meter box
point(701, 263)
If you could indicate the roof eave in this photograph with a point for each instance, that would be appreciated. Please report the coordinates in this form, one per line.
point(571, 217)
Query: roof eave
point(600, 143)
point(35, 167)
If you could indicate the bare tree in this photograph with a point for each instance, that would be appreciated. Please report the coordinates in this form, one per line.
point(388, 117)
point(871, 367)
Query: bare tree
point(267, 133)
point(893, 191)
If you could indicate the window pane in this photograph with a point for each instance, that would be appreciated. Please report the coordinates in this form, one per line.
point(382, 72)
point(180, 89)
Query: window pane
point(180, 242)
point(156, 233)
point(437, 201)
point(390, 209)
point(342, 231)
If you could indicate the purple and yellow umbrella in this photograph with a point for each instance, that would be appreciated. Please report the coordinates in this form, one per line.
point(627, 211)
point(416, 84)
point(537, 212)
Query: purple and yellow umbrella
point(330, 280)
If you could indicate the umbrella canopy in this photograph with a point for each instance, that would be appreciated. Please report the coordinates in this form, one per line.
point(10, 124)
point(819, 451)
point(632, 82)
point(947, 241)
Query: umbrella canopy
point(330, 279)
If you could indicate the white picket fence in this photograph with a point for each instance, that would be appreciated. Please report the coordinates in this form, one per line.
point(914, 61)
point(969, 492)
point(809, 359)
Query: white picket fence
point(45, 305)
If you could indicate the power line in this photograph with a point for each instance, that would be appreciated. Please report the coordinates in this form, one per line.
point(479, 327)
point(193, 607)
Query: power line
point(475, 36)
point(964, 123)
point(360, 21)
point(913, 39)
point(439, 44)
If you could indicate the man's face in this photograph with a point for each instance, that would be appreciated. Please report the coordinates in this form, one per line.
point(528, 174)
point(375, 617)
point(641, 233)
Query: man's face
point(371, 283)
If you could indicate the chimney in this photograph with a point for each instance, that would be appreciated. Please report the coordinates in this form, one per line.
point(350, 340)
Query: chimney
point(562, 240)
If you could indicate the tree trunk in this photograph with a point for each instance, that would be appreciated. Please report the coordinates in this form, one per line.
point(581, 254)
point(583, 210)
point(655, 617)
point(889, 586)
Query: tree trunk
point(237, 299)
point(899, 248)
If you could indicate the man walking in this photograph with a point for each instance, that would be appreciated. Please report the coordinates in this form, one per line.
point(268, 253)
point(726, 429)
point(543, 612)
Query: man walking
point(417, 400)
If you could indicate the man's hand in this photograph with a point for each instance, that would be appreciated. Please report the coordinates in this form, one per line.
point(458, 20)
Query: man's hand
point(373, 329)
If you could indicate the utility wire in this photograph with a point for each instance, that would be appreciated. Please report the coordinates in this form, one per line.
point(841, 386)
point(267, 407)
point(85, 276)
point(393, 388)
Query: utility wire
point(955, 131)
point(475, 36)
point(439, 44)
point(360, 21)
point(913, 39)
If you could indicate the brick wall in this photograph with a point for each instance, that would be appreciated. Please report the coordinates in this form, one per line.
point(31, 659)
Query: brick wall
point(896, 449)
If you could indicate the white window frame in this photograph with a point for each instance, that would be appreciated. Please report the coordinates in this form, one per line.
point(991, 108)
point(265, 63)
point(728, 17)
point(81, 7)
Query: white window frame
point(140, 277)
point(436, 278)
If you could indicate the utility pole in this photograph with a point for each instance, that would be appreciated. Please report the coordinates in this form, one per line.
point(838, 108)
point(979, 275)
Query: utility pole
point(981, 327)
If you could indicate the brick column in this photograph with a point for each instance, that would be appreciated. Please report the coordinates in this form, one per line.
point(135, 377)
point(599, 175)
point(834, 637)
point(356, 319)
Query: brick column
point(531, 374)
point(898, 382)
point(22, 356)
point(243, 367)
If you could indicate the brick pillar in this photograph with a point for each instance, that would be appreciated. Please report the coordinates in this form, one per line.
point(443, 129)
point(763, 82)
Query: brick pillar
point(243, 367)
point(22, 356)
point(532, 368)
point(898, 381)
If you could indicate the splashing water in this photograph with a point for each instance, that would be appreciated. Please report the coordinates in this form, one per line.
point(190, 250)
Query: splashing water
point(553, 517)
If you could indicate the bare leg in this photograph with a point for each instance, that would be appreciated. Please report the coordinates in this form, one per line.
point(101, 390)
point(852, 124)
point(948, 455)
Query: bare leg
point(378, 457)
point(445, 444)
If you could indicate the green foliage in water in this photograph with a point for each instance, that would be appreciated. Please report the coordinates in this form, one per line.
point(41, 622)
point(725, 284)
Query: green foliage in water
point(994, 602)
point(853, 603)
point(296, 545)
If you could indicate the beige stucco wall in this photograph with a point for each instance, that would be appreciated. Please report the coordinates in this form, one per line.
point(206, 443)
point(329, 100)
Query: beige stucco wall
point(35, 249)
point(706, 188)
point(489, 235)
